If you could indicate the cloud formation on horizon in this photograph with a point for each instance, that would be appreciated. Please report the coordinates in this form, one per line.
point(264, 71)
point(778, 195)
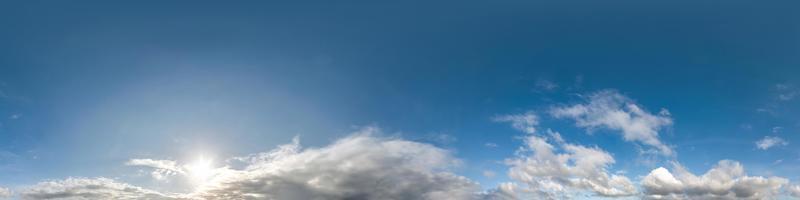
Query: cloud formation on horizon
point(726, 180)
point(360, 166)
point(89, 188)
point(365, 165)
point(356, 167)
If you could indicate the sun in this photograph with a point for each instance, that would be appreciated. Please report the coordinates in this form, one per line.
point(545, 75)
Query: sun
point(201, 169)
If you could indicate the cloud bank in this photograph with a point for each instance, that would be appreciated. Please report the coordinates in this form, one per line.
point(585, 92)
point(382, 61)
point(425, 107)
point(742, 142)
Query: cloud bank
point(162, 169)
point(726, 180)
point(366, 166)
point(356, 167)
point(360, 166)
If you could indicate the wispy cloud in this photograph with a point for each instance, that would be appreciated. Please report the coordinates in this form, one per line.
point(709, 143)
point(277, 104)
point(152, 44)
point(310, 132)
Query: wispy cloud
point(526, 122)
point(612, 110)
point(544, 170)
point(785, 91)
point(89, 188)
point(162, 169)
point(770, 141)
point(546, 85)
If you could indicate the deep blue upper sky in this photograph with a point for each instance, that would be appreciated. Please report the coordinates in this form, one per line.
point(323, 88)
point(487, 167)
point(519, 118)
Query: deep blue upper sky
point(85, 87)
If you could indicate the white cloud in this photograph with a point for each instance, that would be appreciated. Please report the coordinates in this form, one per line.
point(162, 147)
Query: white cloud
point(356, 167)
point(88, 188)
point(726, 180)
point(769, 142)
point(551, 175)
point(526, 122)
point(5, 193)
point(611, 110)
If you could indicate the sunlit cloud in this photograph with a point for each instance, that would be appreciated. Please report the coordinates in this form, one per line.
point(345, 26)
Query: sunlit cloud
point(558, 175)
point(544, 170)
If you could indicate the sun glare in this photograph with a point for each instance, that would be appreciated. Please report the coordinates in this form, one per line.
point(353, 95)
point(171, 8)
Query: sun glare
point(201, 169)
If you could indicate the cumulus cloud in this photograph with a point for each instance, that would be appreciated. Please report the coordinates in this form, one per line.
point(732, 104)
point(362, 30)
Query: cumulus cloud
point(726, 180)
point(552, 175)
point(769, 142)
point(526, 122)
point(356, 167)
point(611, 110)
point(88, 188)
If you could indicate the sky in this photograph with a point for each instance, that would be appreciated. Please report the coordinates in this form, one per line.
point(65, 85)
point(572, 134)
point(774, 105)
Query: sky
point(400, 100)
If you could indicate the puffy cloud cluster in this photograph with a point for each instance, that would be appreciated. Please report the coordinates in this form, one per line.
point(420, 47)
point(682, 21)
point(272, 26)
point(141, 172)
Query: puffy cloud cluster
point(726, 180)
point(553, 175)
point(544, 170)
point(87, 188)
point(769, 142)
point(611, 110)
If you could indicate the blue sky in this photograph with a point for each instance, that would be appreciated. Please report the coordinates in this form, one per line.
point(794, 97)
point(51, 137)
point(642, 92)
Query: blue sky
point(87, 87)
